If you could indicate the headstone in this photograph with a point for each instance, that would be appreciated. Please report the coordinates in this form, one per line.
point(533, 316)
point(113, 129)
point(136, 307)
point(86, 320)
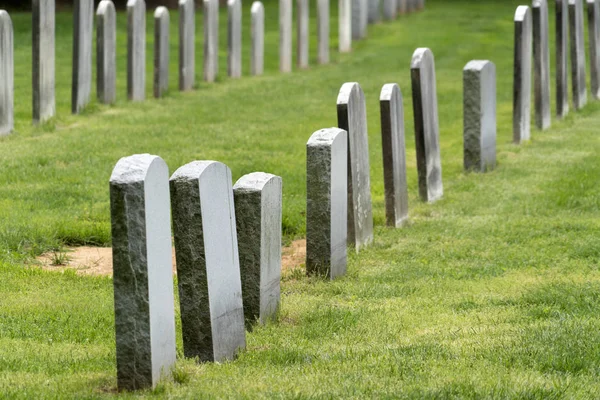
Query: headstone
point(303, 33)
point(410, 7)
point(374, 11)
point(394, 155)
point(593, 10)
point(136, 50)
point(345, 25)
point(427, 130)
point(402, 7)
point(479, 116)
point(43, 15)
point(187, 44)
point(211, 40)
point(83, 25)
point(562, 91)
point(285, 35)
point(359, 12)
point(577, 53)
point(390, 9)
point(161, 51)
point(257, 38)
point(257, 198)
point(106, 52)
point(323, 30)
point(7, 75)
point(541, 56)
point(234, 38)
point(142, 271)
point(326, 202)
point(364, 17)
point(352, 117)
point(208, 269)
point(420, 4)
point(522, 75)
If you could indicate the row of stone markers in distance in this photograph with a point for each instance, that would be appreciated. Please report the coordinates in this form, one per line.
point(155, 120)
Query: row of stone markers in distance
point(228, 252)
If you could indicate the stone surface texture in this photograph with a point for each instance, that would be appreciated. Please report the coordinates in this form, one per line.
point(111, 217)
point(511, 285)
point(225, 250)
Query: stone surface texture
point(106, 52)
point(257, 38)
point(345, 25)
point(323, 31)
point(44, 103)
point(187, 44)
point(83, 26)
point(7, 74)
point(142, 271)
point(211, 39)
point(359, 12)
point(208, 269)
point(285, 35)
point(577, 53)
point(374, 11)
point(161, 51)
point(522, 75)
point(302, 21)
point(593, 12)
point(390, 9)
point(234, 38)
point(562, 54)
point(326, 202)
point(541, 56)
point(136, 50)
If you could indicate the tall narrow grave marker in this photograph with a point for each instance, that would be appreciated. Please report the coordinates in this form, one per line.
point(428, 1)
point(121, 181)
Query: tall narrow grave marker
point(83, 25)
point(577, 53)
point(43, 14)
point(285, 35)
point(234, 38)
point(541, 55)
point(593, 11)
point(522, 75)
point(136, 50)
point(187, 44)
point(323, 30)
point(257, 38)
point(106, 52)
point(7, 74)
point(562, 54)
point(161, 51)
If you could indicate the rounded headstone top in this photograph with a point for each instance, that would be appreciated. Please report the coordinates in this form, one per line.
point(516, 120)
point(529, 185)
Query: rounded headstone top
point(325, 136)
point(195, 169)
point(135, 168)
point(255, 181)
point(522, 12)
point(105, 6)
point(4, 16)
point(388, 91)
point(161, 11)
point(420, 54)
point(477, 65)
point(346, 92)
point(256, 7)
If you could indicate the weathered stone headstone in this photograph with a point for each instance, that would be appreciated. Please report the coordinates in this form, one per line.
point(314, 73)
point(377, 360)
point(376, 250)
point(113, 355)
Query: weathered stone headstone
point(302, 33)
point(364, 17)
point(136, 50)
point(285, 35)
point(83, 25)
point(479, 115)
point(326, 202)
point(593, 11)
point(522, 75)
point(234, 38)
point(187, 44)
point(106, 52)
point(374, 11)
point(352, 117)
point(562, 41)
point(541, 56)
point(257, 198)
point(208, 269)
point(390, 9)
point(142, 271)
point(43, 15)
point(7, 74)
point(359, 12)
point(211, 39)
point(427, 129)
point(323, 30)
point(257, 38)
point(577, 53)
point(161, 51)
point(345, 25)
point(394, 155)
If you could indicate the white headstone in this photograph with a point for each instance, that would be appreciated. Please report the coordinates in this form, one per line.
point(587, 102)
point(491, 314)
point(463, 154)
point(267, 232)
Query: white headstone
point(43, 15)
point(562, 53)
point(577, 54)
point(373, 11)
point(323, 30)
point(83, 26)
point(136, 50)
point(593, 11)
point(390, 9)
point(161, 51)
point(359, 18)
point(285, 35)
point(257, 38)
point(106, 52)
point(541, 55)
point(187, 44)
point(234, 38)
point(522, 75)
point(211, 40)
point(7, 75)
point(345, 25)
point(302, 33)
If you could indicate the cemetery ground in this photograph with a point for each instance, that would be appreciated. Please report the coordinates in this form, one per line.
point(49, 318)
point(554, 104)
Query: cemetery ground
point(493, 291)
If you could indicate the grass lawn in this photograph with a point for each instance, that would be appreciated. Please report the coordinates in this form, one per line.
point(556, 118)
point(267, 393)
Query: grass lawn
point(492, 292)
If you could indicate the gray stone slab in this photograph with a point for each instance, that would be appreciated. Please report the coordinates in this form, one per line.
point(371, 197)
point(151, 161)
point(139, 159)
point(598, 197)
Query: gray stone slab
point(208, 268)
point(374, 11)
point(161, 51)
point(142, 271)
point(211, 40)
point(359, 13)
point(352, 117)
point(390, 9)
point(541, 56)
point(44, 104)
point(257, 38)
point(285, 35)
point(345, 25)
point(323, 31)
point(187, 44)
point(106, 52)
point(302, 21)
point(394, 155)
point(257, 198)
point(7, 74)
point(234, 38)
point(83, 26)
point(136, 50)
point(364, 17)
point(522, 75)
point(577, 42)
point(479, 115)
point(562, 54)
point(326, 202)
point(427, 130)
point(593, 12)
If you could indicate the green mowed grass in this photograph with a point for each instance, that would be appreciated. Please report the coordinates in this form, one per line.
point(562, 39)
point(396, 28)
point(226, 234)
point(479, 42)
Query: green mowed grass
point(490, 292)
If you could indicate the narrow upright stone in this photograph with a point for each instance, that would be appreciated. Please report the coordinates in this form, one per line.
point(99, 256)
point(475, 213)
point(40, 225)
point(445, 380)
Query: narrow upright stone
point(142, 271)
point(359, 13)
point(161, 51)
point(411, 6)
point(394, 155)
point(562, 41)
point(285, 35)
point(522, 75)
point(402, 7)
point(577, 54)
point(374, 11)
point(593, 11)
point(323, 30)
point(211, 39)
point(326, 202)
point(390, 9)
point(106, 52)
point(352, 117)
point(7, 74)
point(541, 55)
point(257, 39)
point(43, 15)
point(303, 33)
point(83, 25)
point(427, 129)
point(479, 116)
point(208, 268)
point(136, 50)
point(257, 199)
point(187, 44)
point(345, 25)
point(234, 38)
